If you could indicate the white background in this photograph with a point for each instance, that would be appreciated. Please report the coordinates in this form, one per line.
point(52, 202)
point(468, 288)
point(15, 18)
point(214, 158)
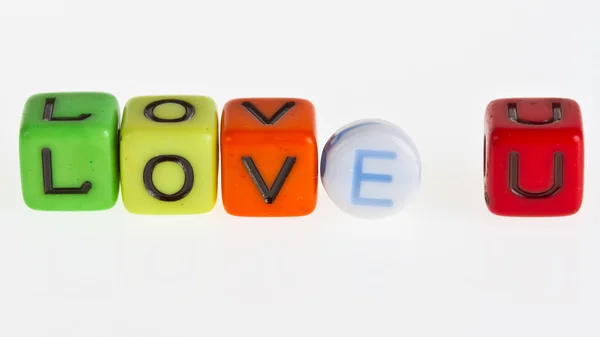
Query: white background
point(444, 267)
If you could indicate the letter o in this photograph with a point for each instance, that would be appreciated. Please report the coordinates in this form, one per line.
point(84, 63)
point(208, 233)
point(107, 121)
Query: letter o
point(187, 184)
point(189, 111)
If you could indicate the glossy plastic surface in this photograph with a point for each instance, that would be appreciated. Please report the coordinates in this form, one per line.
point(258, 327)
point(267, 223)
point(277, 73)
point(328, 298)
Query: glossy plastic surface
point(269, 157)
point(371, 169)
point(534, 157)
point(169, 155)
point(68, 151)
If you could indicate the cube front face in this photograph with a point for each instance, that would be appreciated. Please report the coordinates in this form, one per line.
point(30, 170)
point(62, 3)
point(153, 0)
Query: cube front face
point(534, 157)
point(68, 146)
point(269, 157)
point(169, 155)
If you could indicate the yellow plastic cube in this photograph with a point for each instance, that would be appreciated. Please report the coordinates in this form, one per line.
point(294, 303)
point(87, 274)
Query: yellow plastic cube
point(169, 155)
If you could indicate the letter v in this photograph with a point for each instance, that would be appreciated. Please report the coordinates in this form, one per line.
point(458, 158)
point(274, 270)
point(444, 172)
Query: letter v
point(269, 194)
point(261, 117)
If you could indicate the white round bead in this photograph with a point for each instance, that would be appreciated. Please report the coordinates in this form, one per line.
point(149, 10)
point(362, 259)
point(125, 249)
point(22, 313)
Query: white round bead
point(370, 169)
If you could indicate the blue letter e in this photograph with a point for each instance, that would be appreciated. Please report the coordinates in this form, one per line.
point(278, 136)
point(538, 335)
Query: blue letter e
point(359, 176)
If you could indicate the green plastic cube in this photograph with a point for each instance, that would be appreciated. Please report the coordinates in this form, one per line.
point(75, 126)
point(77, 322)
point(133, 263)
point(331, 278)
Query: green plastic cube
point(68, 146)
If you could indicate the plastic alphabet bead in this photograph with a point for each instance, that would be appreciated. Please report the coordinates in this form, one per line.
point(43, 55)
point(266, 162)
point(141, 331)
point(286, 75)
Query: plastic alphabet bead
point(534, 157)
point(68, 151)
point(169, 155)
point(370, 169)
point(269, 157)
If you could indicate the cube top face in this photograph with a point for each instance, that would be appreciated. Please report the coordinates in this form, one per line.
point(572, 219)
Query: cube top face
point(534, 164)
point(169, 155)
point(170, 113)
point(533, 113)
point(269, 115)
point(269, 157)
point(371, 169)
point(69, 110)
point(68, 151)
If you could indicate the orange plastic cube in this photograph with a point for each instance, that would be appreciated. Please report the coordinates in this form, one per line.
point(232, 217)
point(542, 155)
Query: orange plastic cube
point(269, 157)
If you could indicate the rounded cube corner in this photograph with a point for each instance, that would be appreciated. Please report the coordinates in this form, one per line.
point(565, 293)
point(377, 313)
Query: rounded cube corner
point(494, 103)
point(32, 203)
point(305, 104)
point(310, 209)
point(308, 138)
point(128, 133)
point(133, 209)
point(498, 135)
point(208, 206)
point(226, 138)
point(34, 97)
point(112, 105)
point(210, 103)
point(500, 213)
point(573, 102)
point(227, 107)
point(576, 209)
point(136, 99)
point(108, 204)
point(26, 131)
point(233, 211)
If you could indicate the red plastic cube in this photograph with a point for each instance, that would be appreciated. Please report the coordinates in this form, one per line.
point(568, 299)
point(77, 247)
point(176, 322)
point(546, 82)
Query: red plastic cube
point(533, 159)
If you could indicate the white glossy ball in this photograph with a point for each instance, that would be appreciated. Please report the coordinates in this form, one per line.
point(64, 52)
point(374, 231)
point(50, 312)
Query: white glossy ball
point(371, 169)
